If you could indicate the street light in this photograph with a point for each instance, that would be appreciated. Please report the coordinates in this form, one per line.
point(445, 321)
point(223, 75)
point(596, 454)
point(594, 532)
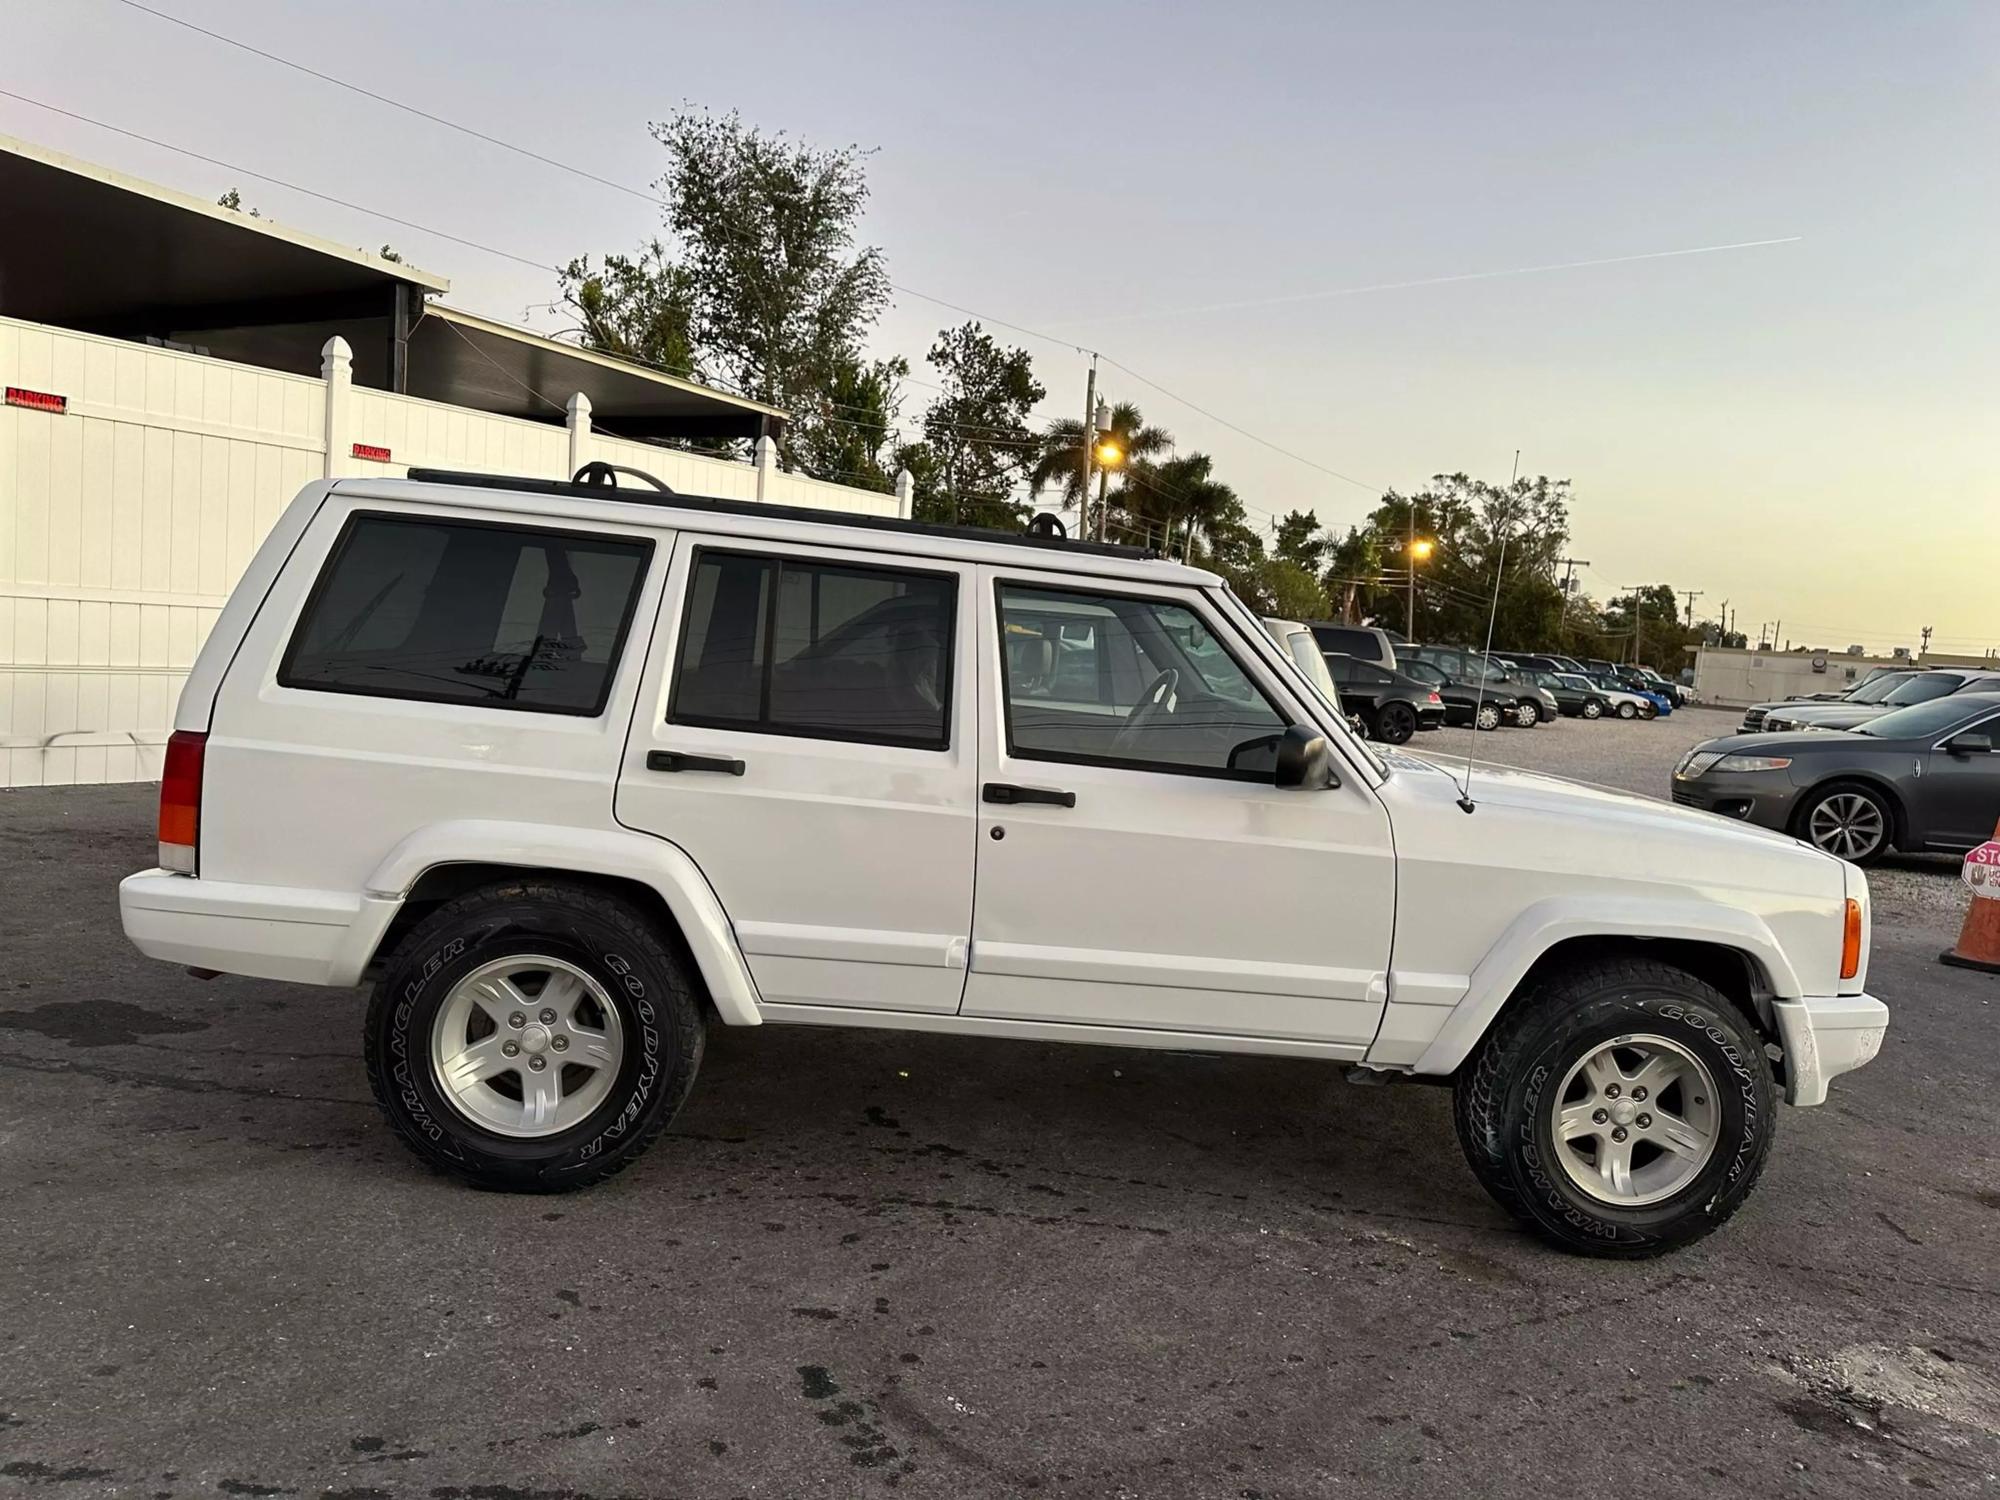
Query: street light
point(1109, 454)
point(1417, 549)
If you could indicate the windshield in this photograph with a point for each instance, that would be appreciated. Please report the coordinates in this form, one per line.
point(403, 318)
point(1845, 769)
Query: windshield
point(1922, 689)
point(1875, 689)
point(1926, 720)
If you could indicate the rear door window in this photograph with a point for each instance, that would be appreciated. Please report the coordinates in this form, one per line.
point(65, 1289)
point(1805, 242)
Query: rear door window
point(821, 650)
point(468, 612)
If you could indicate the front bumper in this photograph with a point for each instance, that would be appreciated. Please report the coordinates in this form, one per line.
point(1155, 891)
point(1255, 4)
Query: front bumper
point(1766, 798)
point(1824, 1037)
point(266, 932)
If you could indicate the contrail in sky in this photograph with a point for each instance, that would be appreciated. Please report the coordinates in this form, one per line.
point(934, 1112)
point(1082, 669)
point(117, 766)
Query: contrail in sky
point(1397, 286)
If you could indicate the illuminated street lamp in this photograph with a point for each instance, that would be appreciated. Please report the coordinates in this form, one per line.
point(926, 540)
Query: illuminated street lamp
point(1109, 454)
point(1417, 549)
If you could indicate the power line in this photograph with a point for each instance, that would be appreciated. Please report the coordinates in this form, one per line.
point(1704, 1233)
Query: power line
point(1245, 432)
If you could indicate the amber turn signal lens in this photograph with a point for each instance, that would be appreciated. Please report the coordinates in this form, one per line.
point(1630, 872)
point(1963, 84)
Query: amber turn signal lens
point(1850, 942)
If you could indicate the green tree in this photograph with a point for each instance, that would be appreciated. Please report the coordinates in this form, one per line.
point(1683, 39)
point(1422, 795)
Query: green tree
point(762, 288)
point(638, 307)
point(1178, 503)
point(1299, 540)
point(1354, 581)
point(977, 444)
point(1484, 535)
point(859, 408)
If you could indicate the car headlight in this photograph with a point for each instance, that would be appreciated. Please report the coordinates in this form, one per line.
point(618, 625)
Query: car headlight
point(1752, 762)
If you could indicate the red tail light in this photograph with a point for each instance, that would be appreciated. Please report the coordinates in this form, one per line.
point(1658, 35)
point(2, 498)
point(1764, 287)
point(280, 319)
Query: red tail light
point(180, 801)
point(1436, 699)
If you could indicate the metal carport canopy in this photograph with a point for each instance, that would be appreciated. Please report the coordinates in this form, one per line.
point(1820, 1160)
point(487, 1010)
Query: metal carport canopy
point(468, 360)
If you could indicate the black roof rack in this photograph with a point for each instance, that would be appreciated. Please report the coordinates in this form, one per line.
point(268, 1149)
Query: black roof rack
point(672, 501)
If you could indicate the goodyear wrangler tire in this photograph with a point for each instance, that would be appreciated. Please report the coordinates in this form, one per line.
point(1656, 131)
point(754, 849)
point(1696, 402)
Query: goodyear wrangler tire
point(533, 1036)
point(1622, 1108)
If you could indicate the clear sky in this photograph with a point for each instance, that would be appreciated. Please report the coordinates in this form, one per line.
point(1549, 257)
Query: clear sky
point(1808, 430)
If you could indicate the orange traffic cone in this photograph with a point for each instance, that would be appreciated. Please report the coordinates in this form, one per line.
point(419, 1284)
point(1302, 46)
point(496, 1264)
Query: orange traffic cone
point(1979, 940)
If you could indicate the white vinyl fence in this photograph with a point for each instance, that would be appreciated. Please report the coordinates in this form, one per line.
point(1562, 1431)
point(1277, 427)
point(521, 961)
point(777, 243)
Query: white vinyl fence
point(126, 517)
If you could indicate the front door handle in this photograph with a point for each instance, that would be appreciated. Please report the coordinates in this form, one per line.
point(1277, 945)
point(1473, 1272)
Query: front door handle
point(1000, 791)
point(676, 760)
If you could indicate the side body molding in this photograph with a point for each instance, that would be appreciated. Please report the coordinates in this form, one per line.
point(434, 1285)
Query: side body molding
point(653, 862)
point(1546, 923)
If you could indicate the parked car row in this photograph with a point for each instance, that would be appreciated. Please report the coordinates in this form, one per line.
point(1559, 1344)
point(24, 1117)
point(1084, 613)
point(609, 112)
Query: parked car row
point(1396, 688)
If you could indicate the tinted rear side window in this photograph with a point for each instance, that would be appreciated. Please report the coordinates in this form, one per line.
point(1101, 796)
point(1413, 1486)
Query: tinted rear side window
point(461, 612)
point(782, 645)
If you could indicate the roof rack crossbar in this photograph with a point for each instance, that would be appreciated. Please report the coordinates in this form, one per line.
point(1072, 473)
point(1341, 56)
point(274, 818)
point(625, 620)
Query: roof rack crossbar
point(718, 506)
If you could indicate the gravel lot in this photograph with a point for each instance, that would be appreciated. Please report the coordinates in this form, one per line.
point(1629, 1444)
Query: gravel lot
point(872, 1263)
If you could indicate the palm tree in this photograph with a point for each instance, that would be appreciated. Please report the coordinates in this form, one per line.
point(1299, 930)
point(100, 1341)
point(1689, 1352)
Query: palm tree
point(1180, 495)
point(1060, 461)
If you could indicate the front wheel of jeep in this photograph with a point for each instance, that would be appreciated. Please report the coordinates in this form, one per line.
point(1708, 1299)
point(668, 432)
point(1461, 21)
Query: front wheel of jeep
point(1622, 1109)
point(533, 1036)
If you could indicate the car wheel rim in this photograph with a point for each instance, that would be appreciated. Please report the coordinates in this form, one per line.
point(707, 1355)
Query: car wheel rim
point(1848, 824)
point(526, 1046)
point(1625, 710)
point(1489, 718)
point(1635, 1120)
point(1591, 710)
point(1527, 715)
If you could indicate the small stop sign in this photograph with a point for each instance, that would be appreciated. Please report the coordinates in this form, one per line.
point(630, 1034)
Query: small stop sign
point(1982, 869)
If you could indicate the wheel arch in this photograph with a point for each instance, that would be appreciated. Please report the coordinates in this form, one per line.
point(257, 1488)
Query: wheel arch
point(1899, 813)
point(446, 860)
point(1732, 950)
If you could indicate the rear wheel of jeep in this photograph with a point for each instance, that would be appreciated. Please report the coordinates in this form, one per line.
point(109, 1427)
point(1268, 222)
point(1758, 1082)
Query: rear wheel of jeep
point(1622, 1109)
point(533, 1036)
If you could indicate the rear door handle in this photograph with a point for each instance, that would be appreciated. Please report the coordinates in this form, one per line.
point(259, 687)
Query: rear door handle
point(1000, 791)
point(676, 760)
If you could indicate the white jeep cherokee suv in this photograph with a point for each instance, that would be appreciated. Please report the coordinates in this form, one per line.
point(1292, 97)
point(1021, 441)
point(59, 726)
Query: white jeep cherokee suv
point(571, 772)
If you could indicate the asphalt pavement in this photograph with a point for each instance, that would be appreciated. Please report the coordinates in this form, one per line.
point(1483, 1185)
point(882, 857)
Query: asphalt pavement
point(866, 1263)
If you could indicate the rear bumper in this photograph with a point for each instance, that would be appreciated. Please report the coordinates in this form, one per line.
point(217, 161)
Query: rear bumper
point(1824, 1037)
point(267, 932)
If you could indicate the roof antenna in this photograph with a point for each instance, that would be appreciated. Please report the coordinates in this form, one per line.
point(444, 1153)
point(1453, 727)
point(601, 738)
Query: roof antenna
point(1465, 802)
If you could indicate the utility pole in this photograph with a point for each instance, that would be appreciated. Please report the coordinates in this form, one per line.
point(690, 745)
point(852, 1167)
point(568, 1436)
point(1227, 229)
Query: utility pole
point(1638, 623)
point(1692, 595)
point(1925, 649)
point(1089, 443)
point(1410, 557)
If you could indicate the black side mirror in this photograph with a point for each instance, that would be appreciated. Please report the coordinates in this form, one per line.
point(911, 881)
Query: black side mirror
point(1958, 744)
point(1304, 761)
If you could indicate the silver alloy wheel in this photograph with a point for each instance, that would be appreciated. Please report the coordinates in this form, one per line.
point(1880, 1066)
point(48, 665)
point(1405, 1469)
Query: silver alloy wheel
point(1635, 1120)
point(1489, 716)
point(526, 1046)
point(1526, 715)
point(1848, 824)
point(1626, 710)
point(1592, 708)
